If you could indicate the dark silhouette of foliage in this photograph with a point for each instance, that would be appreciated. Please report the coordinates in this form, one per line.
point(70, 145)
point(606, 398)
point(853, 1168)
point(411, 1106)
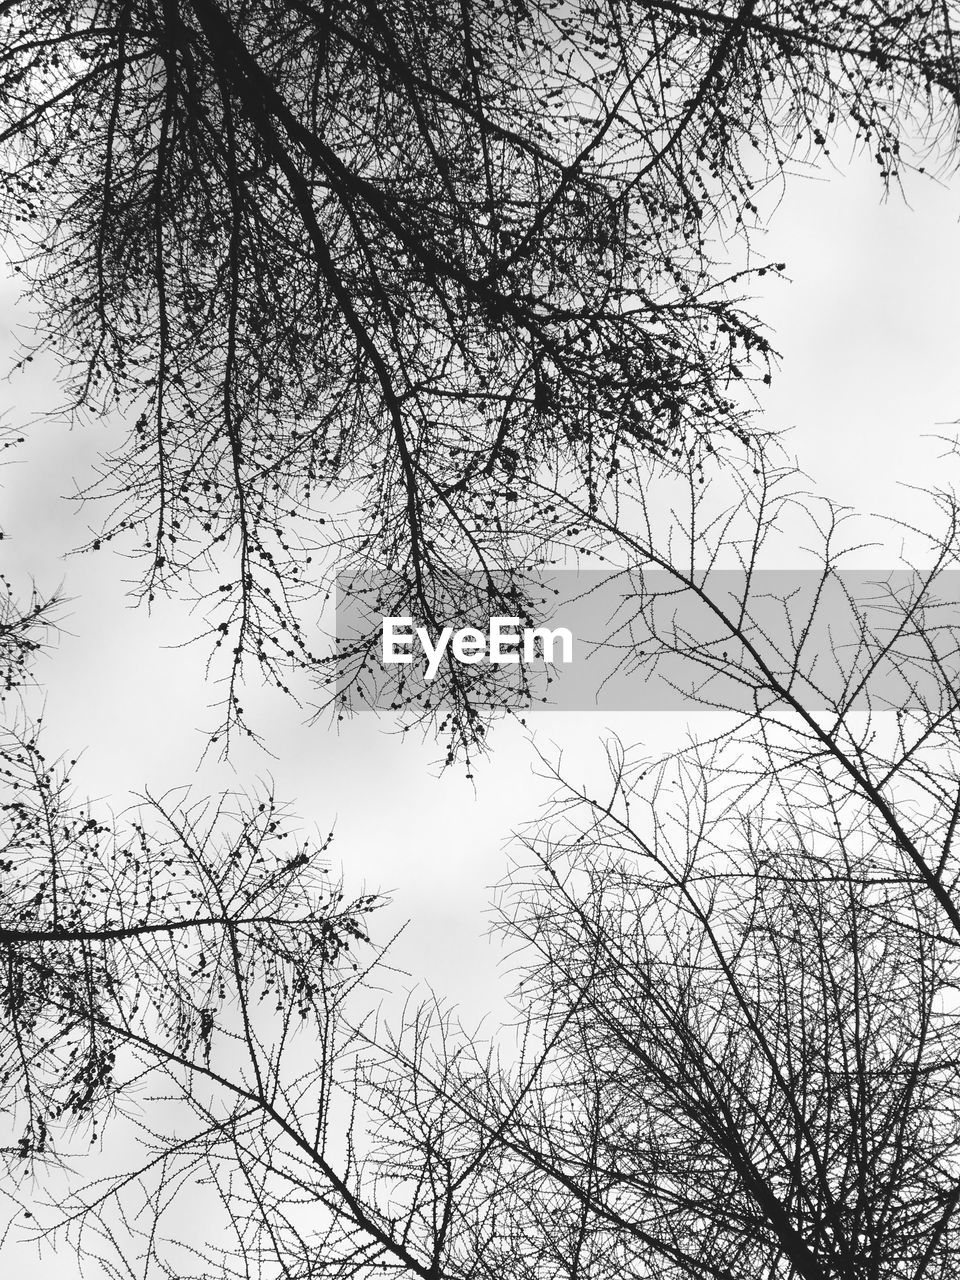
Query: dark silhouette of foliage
point(119, 933)
point(24, 627)
point(376, 281)
point(23, 630)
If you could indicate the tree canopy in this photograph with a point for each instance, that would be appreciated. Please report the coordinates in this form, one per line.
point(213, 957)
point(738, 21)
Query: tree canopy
point(436, 291)
point(389, 283)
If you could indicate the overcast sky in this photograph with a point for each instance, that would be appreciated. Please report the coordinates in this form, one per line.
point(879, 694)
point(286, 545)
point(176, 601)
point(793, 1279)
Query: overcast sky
point(867, 328)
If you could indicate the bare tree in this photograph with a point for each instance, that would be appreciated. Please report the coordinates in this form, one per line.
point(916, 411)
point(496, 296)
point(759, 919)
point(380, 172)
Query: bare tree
point(359, 275)
point(136, 952)
point(24, 627)
point(23, 630)
point(737, 968)
point(852, 687)
point(737, 1057)
point(736, 1048)
point(124, 945)
point(432, 287)
point(747, 1027)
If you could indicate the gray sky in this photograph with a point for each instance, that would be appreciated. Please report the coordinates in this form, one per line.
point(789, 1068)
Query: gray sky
point(867, 330)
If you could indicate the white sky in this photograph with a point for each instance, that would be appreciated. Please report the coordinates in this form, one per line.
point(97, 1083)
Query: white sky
point(868, 331)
